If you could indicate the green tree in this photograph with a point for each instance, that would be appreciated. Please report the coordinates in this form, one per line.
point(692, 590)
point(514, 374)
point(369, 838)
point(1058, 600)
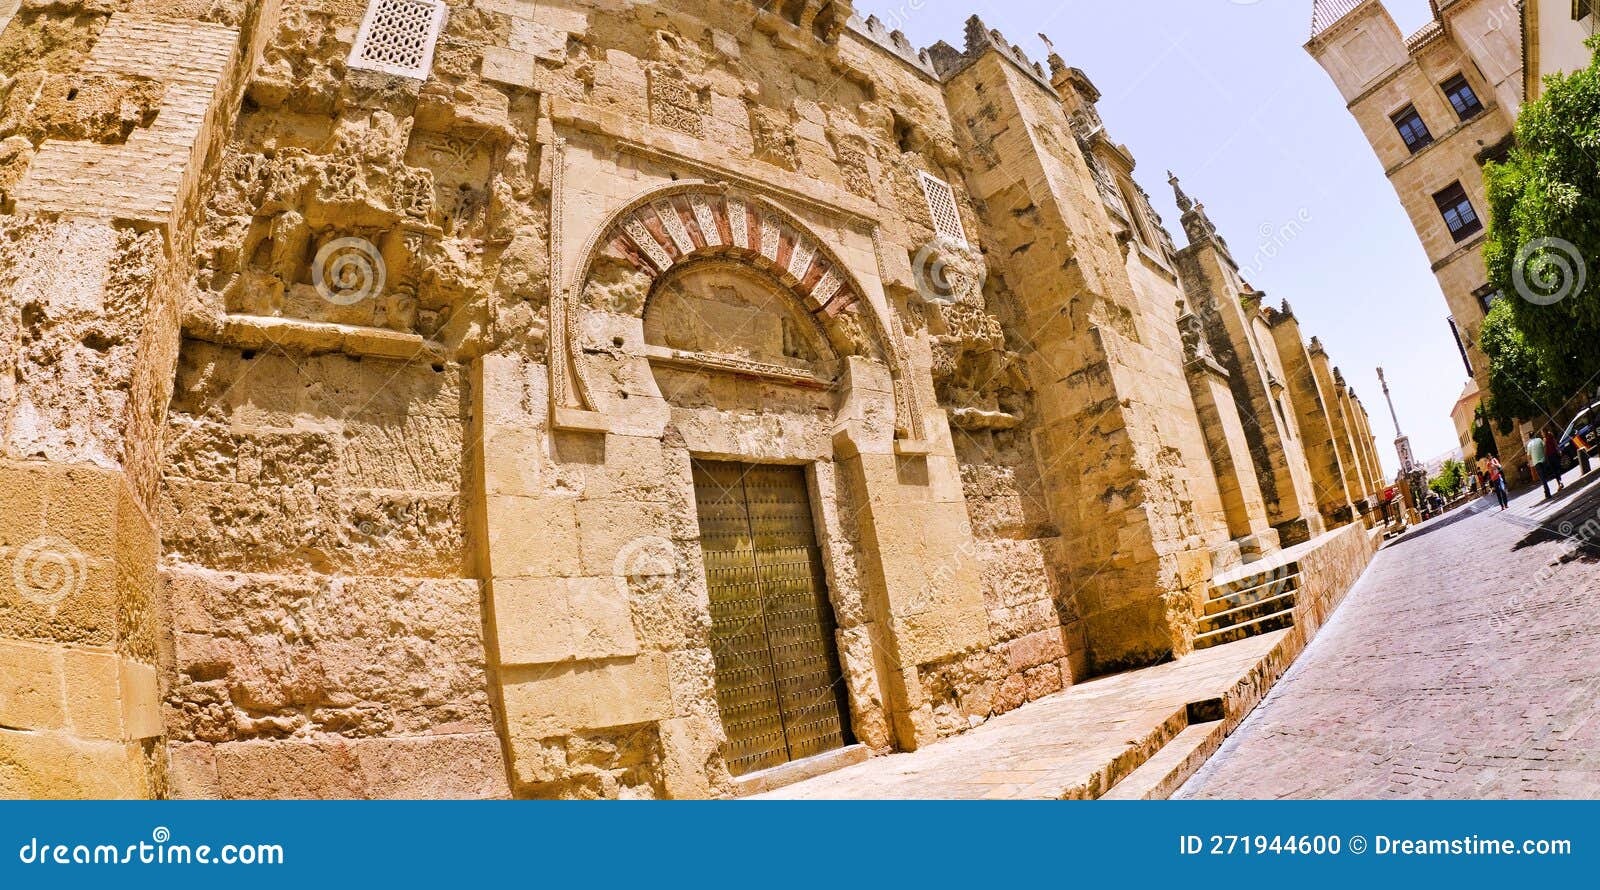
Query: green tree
point(1544, 212)
point(1452, 476)
point(1519, 383)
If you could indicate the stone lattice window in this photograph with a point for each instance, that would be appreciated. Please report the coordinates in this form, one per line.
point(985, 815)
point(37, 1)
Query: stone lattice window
point(942, 207)
point(397, 37)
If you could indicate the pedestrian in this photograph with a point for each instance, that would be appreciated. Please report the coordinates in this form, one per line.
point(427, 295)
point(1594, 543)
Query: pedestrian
point(1554, 457)
point(1497, 481)
point(1539, 459)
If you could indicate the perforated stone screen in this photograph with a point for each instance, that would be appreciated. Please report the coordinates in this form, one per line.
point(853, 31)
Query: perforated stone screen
point(397, 37)
point(942, 206)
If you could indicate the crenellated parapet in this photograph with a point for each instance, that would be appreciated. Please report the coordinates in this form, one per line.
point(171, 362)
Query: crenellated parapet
point(980, 38)
point(894, 41)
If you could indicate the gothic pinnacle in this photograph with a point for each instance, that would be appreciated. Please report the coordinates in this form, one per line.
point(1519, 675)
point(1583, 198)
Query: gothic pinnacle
point(1184, 202)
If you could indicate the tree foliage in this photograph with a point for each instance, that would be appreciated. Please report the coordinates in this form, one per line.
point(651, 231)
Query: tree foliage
point(1542, 198)
point(1520, 386)
point(1452, 477)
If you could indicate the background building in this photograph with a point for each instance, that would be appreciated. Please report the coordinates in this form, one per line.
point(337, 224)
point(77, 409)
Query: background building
point(1435, 106)
point(1553, 37)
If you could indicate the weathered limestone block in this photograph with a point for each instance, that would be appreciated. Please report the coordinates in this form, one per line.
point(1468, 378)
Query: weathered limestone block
point(357, 657)
point(428, 768)
point(555, 700)
point(49, 765)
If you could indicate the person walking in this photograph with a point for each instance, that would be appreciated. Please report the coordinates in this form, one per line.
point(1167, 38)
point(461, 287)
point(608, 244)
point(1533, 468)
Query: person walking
point(1497, 481)
point(1539, 459)
point(1555, 458)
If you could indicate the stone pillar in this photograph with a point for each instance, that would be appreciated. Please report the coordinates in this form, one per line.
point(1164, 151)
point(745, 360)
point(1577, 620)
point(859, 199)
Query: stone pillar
point(922, 584)
point(1230, 455)
point(1349, 465)
point(1316, 428)
point(1126, 563)
point(919, 559)
point(1211, 279)
point(1375, 481)
point(1360, 443)
point(93, 270)
point(574, 526)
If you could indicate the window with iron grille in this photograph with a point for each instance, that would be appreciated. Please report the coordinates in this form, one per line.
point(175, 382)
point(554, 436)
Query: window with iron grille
point(1582, 9)
point(1457, 211)
point(398, 36)
point(1461, 97)
point(942, 207)
point(1412, 129)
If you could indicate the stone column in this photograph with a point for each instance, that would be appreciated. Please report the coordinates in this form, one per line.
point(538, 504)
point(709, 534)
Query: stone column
point(1316, 428)
point(1349, 465)
point(1360, 443)
point(1211, 279)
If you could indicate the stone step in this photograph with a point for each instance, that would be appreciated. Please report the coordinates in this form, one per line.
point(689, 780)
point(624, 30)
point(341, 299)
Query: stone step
point(1247, 612)
point(1252, 581)
point(1264, 624)
point(1167, 769)
point(1226, 602)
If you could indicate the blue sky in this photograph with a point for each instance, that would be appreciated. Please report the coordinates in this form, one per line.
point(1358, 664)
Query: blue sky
point(1222, 93)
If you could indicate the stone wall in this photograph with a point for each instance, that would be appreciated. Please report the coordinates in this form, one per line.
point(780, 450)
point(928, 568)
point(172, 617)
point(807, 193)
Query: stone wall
point(323, 621)
point(110, 122)
point(349, 418)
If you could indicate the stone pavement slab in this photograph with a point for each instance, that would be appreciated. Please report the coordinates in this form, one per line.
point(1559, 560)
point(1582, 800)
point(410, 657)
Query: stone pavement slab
point(1074, 744)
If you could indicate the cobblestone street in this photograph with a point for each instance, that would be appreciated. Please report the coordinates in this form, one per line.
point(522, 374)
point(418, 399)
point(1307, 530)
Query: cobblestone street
point(1466, 663)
